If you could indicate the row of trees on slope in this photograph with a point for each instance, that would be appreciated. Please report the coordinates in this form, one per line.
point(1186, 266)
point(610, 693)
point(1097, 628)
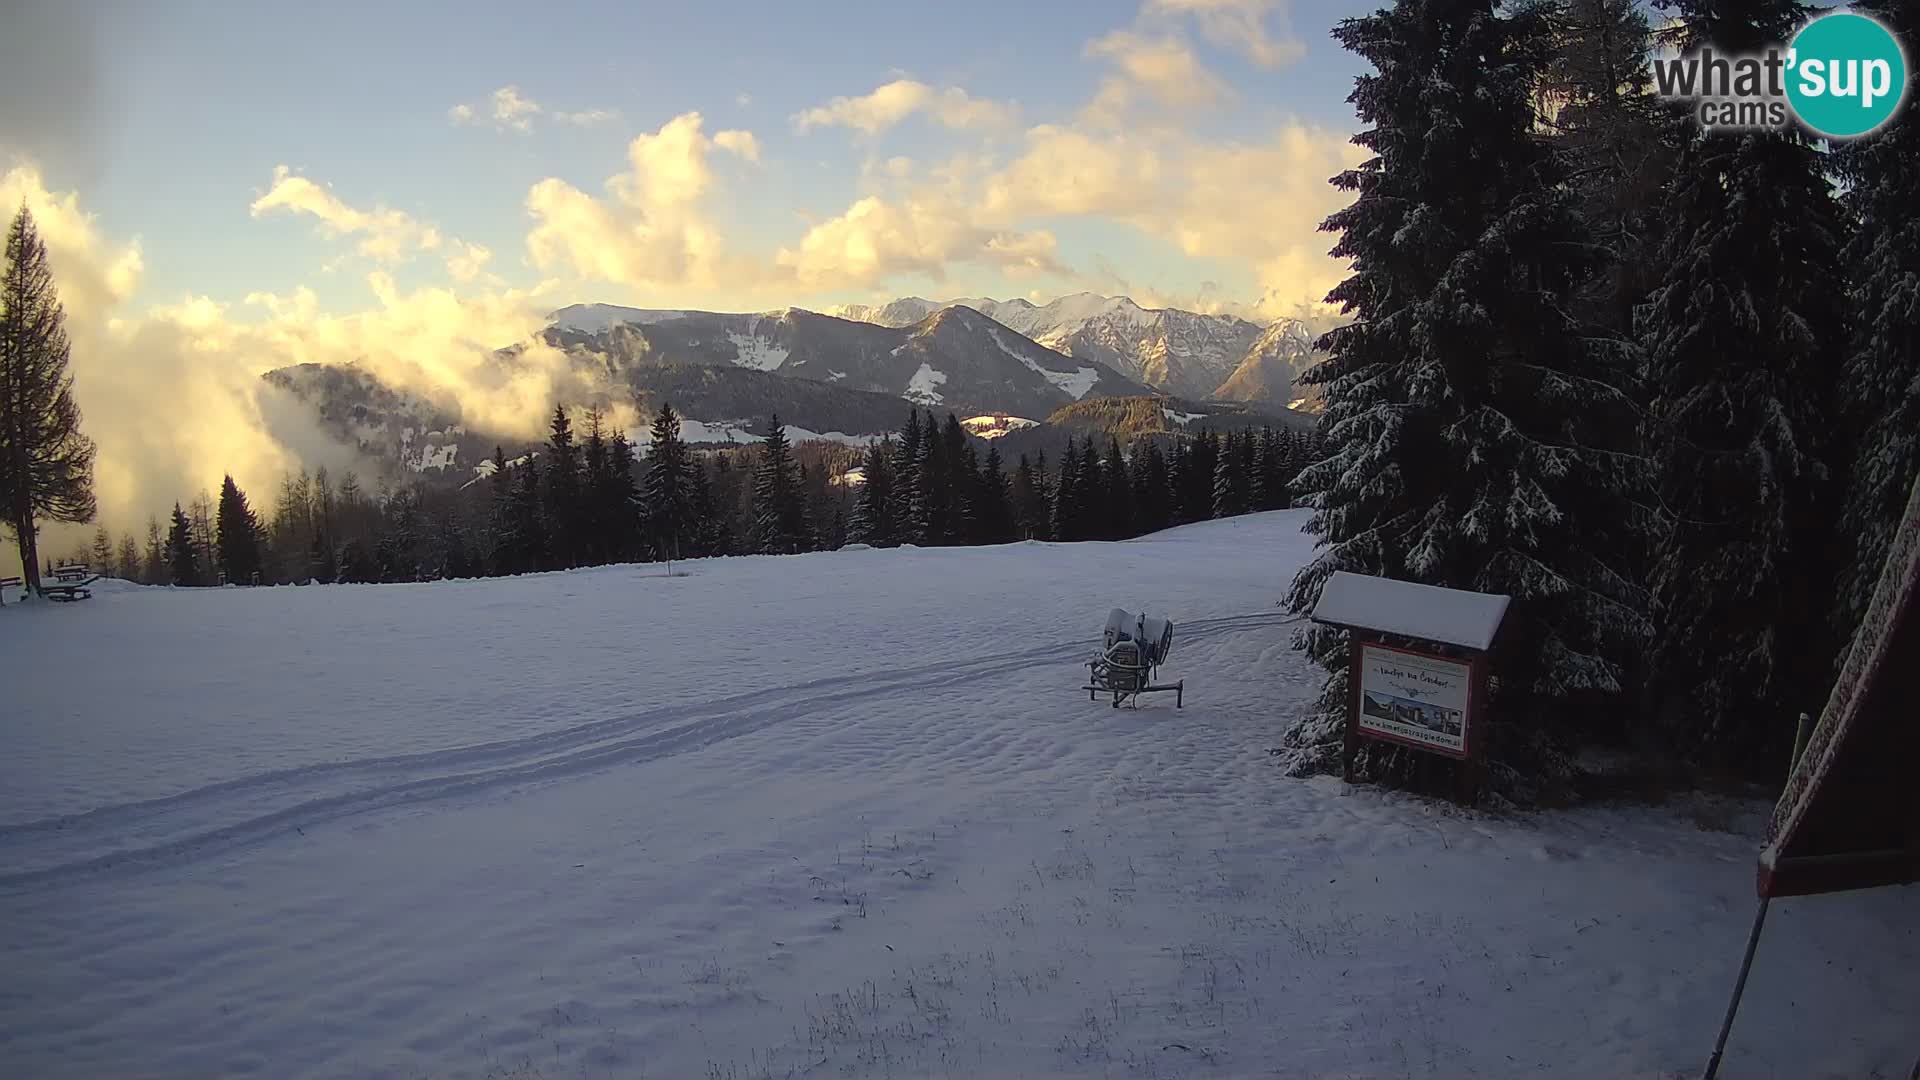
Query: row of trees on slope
point(930, 486)
point(590, 501)
point(1659, 385)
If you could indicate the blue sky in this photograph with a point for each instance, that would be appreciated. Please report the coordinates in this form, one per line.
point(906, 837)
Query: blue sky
point(190, 108)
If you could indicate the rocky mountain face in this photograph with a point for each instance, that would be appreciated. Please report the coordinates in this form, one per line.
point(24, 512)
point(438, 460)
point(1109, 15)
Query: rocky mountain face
point(1179, 352)
point(1272, 363)
point(953, 358)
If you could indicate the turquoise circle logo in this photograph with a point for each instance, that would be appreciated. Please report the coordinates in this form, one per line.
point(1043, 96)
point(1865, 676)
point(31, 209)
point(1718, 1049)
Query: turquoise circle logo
point(1846, 75)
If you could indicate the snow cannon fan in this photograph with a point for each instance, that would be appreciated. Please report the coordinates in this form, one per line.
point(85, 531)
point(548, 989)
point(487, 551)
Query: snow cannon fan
point(1132, 648)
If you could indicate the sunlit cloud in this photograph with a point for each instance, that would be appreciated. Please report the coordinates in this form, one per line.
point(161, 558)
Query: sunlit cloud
point(385, 234)
point(894, 102)
point(653, 228)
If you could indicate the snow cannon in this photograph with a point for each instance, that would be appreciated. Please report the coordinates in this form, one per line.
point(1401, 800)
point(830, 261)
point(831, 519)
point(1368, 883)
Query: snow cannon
point(1132, 648)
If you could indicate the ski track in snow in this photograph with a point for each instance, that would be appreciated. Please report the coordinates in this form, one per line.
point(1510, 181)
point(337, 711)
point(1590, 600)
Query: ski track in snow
point(209, 819)
point(842, 814)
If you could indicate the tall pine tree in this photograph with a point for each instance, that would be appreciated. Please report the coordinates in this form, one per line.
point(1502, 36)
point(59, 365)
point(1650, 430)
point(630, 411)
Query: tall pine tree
point(1881, 384)
point(669, 488)
point(239, 542)
point(596, 478)
point(183, 554)
point(906, 479)
point(779, 512)
point(1462, 401)
point(46, 464)
point(563, 504)
point(873, 510)
point(620, 502)
point(993, 512)
point(1066, 495)
point(1742, 336)
point(1152, 487)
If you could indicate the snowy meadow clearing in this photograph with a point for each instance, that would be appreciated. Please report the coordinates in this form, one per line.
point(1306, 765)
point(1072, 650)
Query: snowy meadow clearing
point(833, 814)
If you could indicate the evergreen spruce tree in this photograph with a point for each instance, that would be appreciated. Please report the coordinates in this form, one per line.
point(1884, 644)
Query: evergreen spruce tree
point(239, 538)
point(969, 498)
point(46, 464)
point(946, 483)
point(1463, 402)
point(1291, 456)
point(1619, 142)
point(1116, 509)
point(183, 554)
point(596, 478)
point(1066, 495)
point(1042, 516)
point(1881, 383)
point(994, 510)
point(814, 513)
point(1230, 477)
point(1197, 477)
point(100, 555)
point(459, 557)
point(700, 540)
point(562, 500)
point(1176, 471)
point(1089, 503)
point(527, 528)
point(1742, 336)
point(1153, 488)
point(726, 528)
point(1028, 503)
point(505, 546)
point(779, 525)
point(1268, 487)
point(399, 547)
point(620, 502)
point(906, 478)
point(925, 505)
point(668, 495)
point(873, 510)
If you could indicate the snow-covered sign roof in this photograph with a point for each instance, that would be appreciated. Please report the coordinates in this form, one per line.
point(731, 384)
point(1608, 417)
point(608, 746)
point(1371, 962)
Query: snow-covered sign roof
point(1452, 616)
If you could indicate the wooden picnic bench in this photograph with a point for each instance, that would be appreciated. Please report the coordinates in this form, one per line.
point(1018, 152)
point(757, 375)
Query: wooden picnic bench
point(69, 583)
point(9, 583)
point(68, 589)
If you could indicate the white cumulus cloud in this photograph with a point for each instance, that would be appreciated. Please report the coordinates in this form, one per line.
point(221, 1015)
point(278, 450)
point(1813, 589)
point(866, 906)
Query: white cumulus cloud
point(894, 102)
point(386, 235)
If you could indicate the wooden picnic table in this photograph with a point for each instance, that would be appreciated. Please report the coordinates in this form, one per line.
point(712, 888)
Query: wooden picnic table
point(69, 585)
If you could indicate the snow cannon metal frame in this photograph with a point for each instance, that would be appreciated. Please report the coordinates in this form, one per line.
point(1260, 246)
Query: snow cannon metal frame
point(1132, 649)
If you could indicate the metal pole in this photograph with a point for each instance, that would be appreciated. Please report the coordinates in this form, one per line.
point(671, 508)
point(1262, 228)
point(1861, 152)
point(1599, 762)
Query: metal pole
point(1739, 987)
point(1800, 735)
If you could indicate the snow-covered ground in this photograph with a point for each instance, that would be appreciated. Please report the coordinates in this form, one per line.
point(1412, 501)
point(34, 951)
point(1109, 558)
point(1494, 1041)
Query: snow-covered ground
point(838, 814)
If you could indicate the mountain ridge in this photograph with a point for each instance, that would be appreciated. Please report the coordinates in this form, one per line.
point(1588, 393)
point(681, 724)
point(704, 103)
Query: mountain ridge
point(1188, 353)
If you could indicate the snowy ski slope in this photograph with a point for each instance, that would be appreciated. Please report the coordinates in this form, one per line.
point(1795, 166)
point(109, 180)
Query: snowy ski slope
point(836, 814)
